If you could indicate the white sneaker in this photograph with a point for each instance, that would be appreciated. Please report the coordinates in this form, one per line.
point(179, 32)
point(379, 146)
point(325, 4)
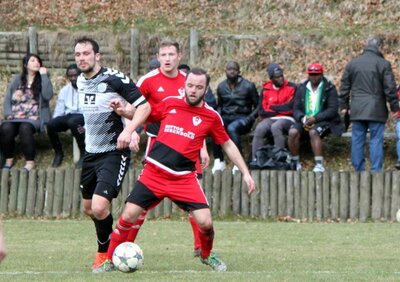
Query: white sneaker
point(319, 168)
point(218, 165)
point(234, 169)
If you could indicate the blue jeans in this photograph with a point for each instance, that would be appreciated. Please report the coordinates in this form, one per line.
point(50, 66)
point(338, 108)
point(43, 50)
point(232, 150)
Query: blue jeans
point(359, 132)
point(398, 139)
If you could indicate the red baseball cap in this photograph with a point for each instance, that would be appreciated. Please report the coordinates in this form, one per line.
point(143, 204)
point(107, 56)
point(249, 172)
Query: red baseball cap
point(315, 69)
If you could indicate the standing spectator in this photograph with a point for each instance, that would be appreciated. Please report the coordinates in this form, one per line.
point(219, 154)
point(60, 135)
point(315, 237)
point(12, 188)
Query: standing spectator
point(67, 115)
point(237, 102)
point(26, 110)
point(316, 113)
point(367, 85)
point(275, 109)
point(107, 154)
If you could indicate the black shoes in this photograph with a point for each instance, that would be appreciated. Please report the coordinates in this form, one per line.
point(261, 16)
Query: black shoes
point(58, 158)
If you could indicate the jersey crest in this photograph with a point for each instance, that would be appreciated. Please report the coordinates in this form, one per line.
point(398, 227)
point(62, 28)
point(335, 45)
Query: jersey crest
point(196, 120)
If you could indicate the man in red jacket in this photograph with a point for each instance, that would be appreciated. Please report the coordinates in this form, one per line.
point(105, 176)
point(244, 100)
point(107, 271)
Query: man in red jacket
point(275, 109)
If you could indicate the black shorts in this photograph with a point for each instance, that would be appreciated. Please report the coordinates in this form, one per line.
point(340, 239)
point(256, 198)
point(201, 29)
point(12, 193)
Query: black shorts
point(102, 174)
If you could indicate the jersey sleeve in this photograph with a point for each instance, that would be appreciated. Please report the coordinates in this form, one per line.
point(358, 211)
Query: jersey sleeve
point(125, 87)
point(218, 132)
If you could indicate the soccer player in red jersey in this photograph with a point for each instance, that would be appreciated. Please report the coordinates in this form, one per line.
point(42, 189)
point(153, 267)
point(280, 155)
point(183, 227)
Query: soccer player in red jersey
point(155, 86)
point(170, 167)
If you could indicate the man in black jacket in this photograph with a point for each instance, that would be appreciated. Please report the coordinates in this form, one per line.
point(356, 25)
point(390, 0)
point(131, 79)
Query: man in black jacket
point(367, 84)
point(316, 113)
point(238, 104)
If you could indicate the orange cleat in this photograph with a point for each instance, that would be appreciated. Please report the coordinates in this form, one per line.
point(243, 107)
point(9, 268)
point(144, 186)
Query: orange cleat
point(99, 260)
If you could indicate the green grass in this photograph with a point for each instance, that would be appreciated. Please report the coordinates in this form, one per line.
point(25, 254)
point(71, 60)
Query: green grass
point(254, 251)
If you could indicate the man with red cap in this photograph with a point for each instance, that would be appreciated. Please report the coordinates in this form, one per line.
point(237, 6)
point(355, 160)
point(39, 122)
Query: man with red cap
point(316, 113)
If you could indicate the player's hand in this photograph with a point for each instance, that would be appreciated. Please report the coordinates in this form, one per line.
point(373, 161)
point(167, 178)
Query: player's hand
point(251, 186)
point(123, 140)
point(204, 158)
point(135, 140)
point(117, 106)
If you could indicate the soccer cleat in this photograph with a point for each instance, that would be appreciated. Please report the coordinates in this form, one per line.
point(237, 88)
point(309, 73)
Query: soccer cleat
point(196, 253)
point(99, 260)
point(106, 266)
point(214, 262)
point(319, 168)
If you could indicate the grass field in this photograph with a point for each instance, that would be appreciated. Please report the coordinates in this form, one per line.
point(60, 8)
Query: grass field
point(253, 250)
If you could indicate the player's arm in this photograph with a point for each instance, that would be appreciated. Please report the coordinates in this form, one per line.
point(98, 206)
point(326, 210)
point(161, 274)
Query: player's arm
point(204, 157)
point(234, 155)
point(125, 110)
point(129, 91)
point(142, 111)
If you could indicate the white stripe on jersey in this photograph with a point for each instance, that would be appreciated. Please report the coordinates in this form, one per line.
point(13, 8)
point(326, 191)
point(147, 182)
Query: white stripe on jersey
point(147, 75)
point(160, 165)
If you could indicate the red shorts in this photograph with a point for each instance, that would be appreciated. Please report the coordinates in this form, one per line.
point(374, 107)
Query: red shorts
point(154, 184)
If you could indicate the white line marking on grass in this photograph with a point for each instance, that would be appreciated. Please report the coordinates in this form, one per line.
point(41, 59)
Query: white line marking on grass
point(15, 273)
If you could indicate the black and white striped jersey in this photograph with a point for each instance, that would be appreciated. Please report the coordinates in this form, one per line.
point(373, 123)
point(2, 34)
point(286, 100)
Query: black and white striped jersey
point(102, 124)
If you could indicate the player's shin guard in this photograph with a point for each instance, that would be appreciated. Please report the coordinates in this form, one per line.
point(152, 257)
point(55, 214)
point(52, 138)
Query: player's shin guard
point(196, 233)
point(103, 231)
point(136, 227)
point(207, 239)
point(119, 235)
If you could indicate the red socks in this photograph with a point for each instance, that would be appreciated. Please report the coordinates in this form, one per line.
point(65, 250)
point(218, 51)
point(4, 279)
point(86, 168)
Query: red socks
point(119, 235)
point(207, 239)
point(135, 228)
point(196, 233)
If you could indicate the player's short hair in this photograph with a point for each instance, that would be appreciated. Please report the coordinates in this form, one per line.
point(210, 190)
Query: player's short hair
point(88, 40)
point(168, 43)
point(200, 71)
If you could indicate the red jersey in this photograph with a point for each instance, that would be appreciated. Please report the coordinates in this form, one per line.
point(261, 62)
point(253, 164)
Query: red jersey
point(182, 133)
point(155, 87)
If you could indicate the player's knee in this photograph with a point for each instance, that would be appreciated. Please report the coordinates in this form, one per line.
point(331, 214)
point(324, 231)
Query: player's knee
point(99, 211)
point(132, 212)
point(205, 224)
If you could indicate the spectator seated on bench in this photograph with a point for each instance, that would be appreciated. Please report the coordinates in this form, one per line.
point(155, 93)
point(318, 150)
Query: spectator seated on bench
point(26, 110)
point(275, 110)
point(67, 116)
point(237, 102)
point(316, 113)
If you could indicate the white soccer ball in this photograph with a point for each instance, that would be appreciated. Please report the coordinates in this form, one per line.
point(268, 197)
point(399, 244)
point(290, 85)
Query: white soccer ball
point(398, 215)
point(128, 257)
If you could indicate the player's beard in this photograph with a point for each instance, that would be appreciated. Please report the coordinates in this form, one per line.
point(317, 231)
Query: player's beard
point(197, 101)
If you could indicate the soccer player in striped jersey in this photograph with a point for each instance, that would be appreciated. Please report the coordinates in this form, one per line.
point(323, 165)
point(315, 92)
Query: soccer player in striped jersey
point(107, 140)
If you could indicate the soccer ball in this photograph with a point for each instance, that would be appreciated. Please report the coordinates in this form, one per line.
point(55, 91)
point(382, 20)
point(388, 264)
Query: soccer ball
point(128, 257)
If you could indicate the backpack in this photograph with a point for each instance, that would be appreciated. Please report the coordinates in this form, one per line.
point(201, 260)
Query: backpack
point(271, 157)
